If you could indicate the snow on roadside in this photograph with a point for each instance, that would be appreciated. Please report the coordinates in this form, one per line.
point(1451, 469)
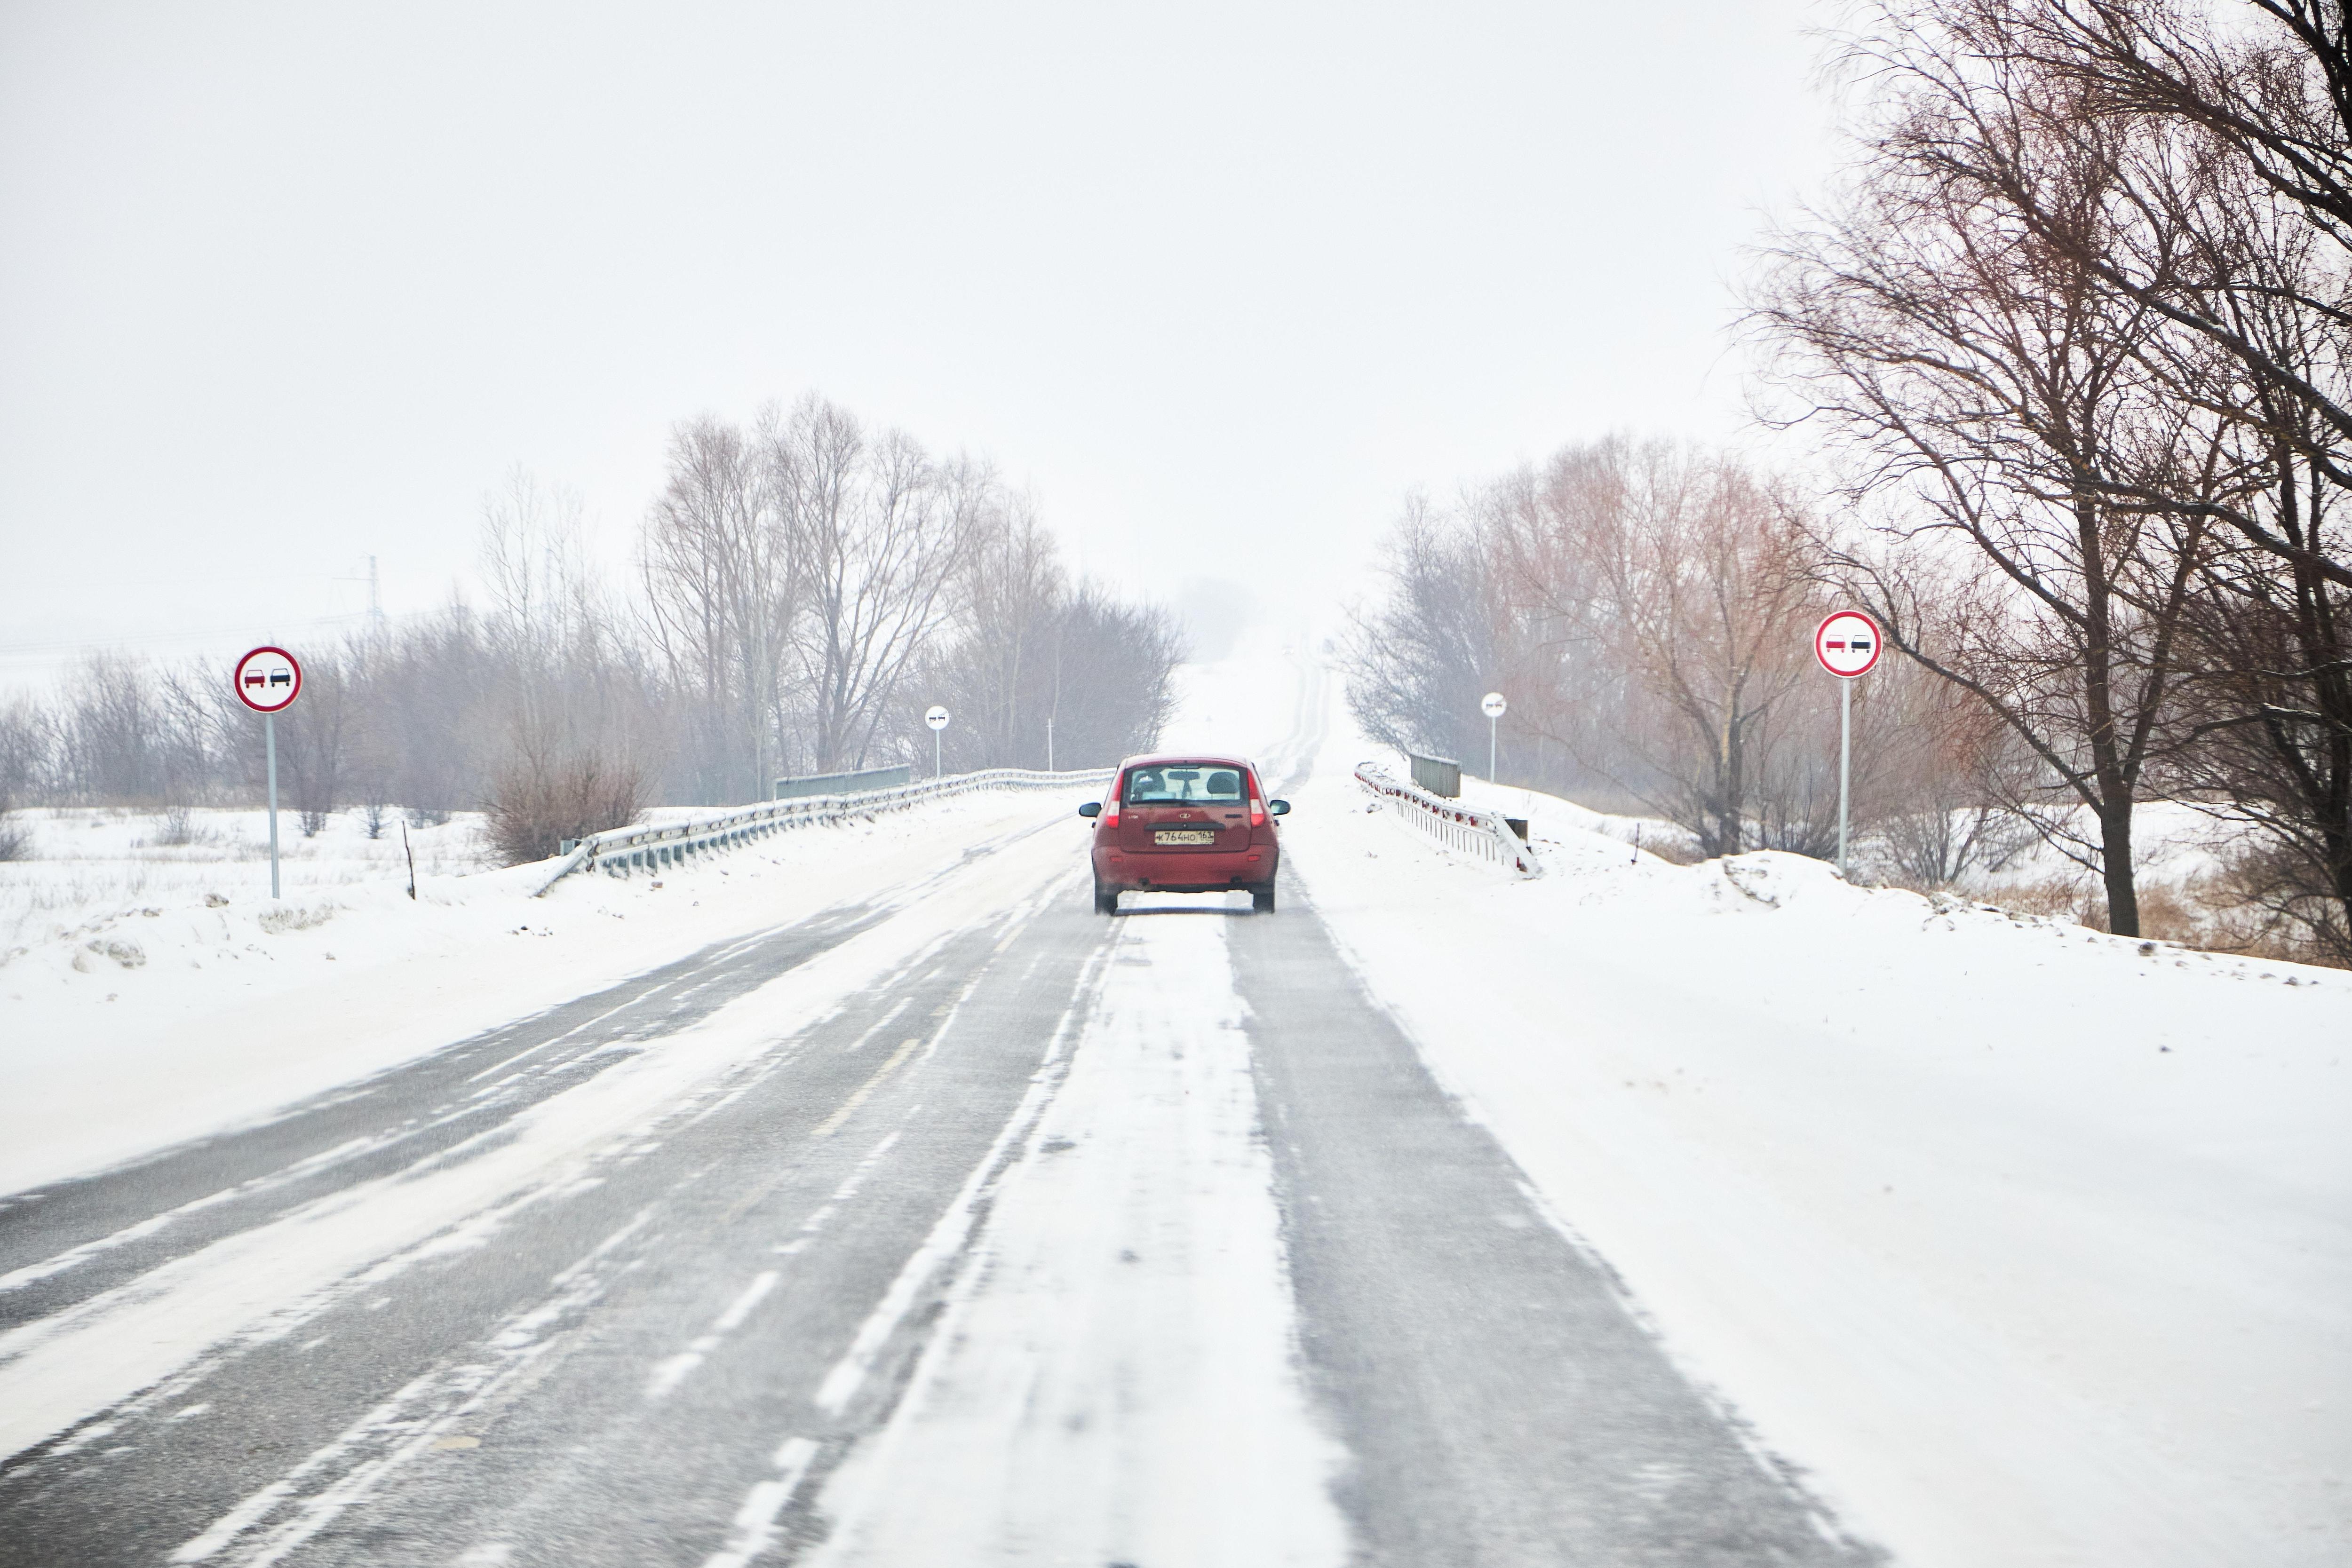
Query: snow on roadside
point(1120, 1345)
point(2030, 1242)
point(261, 1282)
point(158, 1014)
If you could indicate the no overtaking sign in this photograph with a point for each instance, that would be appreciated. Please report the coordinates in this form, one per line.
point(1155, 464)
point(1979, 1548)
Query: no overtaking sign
point(267, 680)
point(1847, 644)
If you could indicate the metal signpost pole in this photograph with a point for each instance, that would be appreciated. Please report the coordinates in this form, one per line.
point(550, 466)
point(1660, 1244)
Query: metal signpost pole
point(1846, 760)
point(1847, 644)
point(1493, 706)
point(937, 718)
point(269, 736)
point(267, 680)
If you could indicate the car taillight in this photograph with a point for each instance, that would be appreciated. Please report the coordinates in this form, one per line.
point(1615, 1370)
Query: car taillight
point(1110, 813)
point(1257, 812)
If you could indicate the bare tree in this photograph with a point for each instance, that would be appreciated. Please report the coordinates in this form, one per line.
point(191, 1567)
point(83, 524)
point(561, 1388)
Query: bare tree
point(719, 587)
point(998, 674)
point(1419, 659)
point(1645, 607)
point(1000, 668)
point(1687, 573)
point(315, 741)
point(2223, 143)
point(1989, 395)
point(875, 531)
point(788, 582)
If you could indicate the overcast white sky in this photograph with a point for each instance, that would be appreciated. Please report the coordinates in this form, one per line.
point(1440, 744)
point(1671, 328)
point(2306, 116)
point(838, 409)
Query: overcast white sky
point(285, 286)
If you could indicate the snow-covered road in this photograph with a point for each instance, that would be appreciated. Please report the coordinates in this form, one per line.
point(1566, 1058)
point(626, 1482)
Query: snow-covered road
point(953, 1226)
point(946, 1222)
point(947, 1232)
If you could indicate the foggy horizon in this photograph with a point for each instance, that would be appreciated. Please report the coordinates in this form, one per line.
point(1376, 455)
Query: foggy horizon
point(327, 282)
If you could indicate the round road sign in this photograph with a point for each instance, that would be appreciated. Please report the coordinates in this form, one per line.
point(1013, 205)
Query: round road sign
point(1847, 644)
point(937, 718)
point(1492, 705)
point(267, 680)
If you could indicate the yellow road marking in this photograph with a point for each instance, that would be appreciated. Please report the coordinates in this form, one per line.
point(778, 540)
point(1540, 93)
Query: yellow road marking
point(826, 1128)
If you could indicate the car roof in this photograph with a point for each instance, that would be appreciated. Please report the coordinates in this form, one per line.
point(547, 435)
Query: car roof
point(1208, 758)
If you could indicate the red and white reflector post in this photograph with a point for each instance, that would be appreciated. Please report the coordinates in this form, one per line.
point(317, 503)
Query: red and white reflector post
point(1847, 645)
point(267, 680)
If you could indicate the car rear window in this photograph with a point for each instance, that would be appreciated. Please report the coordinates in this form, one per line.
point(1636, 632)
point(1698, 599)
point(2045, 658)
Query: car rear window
point(1173, 781)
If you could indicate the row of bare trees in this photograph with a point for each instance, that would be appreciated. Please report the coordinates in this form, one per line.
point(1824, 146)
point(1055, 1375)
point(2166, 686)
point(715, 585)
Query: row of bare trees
point(2075, 335)
point(802, 588)
point(1647, 607)
point(2078, 331)
point(814, 585)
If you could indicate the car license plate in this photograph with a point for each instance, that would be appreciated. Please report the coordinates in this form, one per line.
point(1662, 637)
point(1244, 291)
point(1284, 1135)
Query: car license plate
point(1184, 836)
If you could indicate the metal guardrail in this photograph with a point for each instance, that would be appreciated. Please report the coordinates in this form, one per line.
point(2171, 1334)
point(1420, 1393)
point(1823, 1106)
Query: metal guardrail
point(1439, 775)
point(809, 784)
point(620, 852)
point(1452, 824)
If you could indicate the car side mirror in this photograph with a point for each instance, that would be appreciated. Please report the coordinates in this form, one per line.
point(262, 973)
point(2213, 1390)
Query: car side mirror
point(1277, 807)
point(1091, 808)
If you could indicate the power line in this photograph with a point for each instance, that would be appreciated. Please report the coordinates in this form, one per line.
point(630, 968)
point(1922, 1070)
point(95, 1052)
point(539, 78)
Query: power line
point(149, 639)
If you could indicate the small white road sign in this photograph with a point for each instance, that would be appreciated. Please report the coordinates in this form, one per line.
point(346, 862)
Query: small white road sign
point(1492, 705)
point(267, 680)
point(937, 718)
point(1847, 644)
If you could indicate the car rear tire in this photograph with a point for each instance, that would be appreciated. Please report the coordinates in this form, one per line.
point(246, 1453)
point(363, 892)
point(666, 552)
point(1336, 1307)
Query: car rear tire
point(1105, 900)
point(1262, 899)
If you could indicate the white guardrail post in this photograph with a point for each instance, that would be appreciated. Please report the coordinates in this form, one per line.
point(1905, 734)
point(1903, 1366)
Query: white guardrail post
point(621, 850)
point(1449, 822)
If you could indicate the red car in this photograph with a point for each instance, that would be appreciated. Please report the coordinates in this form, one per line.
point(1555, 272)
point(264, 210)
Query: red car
point(1182, 823)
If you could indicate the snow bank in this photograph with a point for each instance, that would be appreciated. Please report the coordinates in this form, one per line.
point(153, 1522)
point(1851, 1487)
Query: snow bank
point(2031, 1242)
point(154, 994)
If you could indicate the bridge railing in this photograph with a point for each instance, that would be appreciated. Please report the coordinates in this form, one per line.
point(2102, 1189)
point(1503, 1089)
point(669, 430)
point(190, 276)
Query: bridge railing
point(1449, 822)
point(622, 852)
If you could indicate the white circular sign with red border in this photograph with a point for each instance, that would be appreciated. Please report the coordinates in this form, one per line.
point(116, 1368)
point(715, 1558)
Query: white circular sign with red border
point(267, 679)
point(1847, 644)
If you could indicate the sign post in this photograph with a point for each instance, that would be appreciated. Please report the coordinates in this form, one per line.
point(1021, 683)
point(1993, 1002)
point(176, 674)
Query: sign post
point(1847, 644)
point(937, 718)
point(267, 680)
point(1493, 706)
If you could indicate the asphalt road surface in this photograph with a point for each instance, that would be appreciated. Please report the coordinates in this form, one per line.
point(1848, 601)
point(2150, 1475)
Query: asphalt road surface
point(1052, 1239)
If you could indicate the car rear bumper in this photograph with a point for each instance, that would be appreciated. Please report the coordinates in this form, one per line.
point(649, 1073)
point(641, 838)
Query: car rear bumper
point(1195, 871)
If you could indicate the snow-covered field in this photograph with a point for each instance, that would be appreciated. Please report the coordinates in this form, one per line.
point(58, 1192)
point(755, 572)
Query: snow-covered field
point(152, 994)
point(2030, 1243)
